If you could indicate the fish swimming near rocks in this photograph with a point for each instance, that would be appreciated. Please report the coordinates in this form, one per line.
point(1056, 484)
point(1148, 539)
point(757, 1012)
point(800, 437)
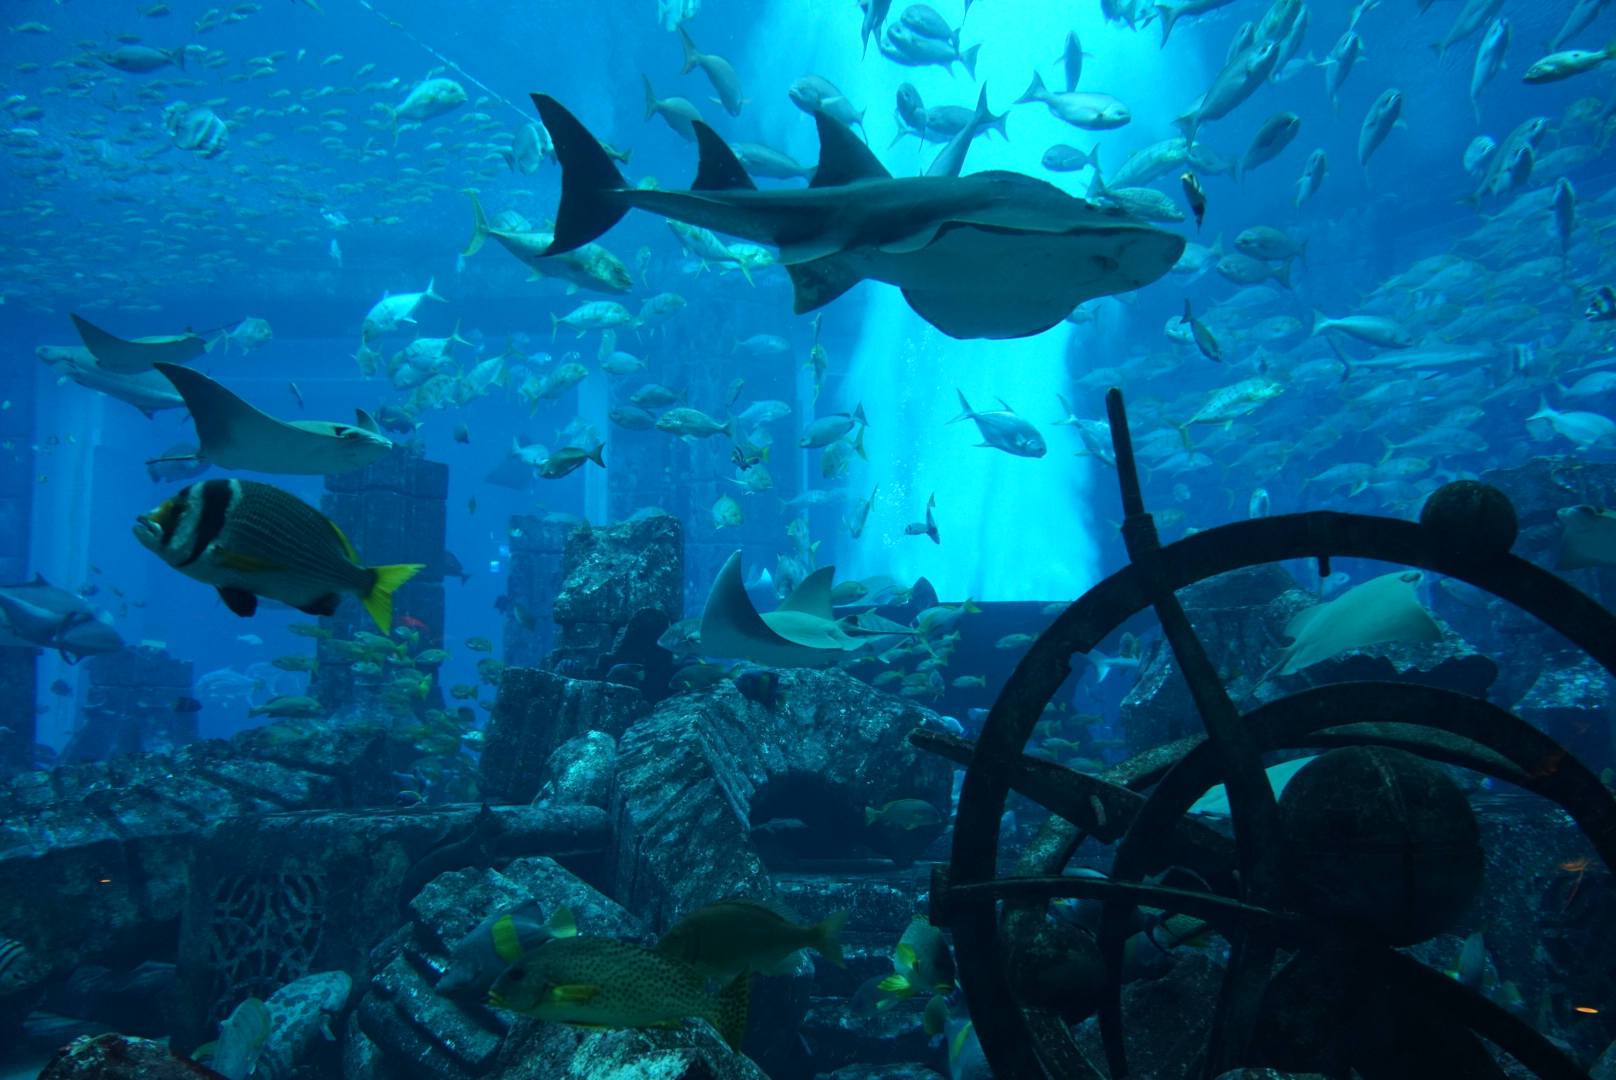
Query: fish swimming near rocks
point(13, 957)
point(960, 248)
point(1380, 610)
point(249, 539)
point(299, 1013)
point(496, 943)
point(603, 982)
point(131, 357)
point(234, 435)
point(241, 1040)
point(738, 933)
point(802, 632)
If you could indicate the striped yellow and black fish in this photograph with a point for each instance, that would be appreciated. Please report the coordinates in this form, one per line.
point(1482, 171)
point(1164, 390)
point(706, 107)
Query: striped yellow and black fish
point(602, 982)
point(250, 539)
point(12, 958)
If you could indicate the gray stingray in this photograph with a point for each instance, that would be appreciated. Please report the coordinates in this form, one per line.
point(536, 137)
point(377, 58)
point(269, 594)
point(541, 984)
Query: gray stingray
point(990, 255)
point(1590, 538)
point(131, 357)
point(234, 435)
point(38, 614)
point(1380, 610)
point(802, 632)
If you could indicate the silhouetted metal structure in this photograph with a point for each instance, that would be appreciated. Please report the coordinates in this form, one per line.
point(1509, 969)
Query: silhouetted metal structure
point(1465, 531)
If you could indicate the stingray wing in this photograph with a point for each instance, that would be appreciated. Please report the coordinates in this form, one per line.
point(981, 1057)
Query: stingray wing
point(234, 435)
point(730, 625)
point(132, 357)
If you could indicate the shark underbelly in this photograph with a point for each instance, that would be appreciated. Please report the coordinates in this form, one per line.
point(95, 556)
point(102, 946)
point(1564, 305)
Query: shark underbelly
point(987, 283)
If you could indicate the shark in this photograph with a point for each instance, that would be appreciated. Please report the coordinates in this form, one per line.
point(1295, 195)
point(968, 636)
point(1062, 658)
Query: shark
point(802, 632)
point(131, 357)
point(37, 614)
point(234, 435)
point(147, 391)
point(991, 255)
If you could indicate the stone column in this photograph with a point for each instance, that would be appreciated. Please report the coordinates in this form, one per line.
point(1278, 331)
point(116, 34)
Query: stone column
point(536, 572)
point(17, 676)
point(392, 512)
point(138, 704)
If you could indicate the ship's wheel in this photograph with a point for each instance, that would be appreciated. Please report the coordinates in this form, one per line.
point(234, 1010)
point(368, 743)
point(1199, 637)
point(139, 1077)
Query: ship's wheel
point(1338, 911)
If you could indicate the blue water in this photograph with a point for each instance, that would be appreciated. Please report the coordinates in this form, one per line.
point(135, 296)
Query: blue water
point(106, 222)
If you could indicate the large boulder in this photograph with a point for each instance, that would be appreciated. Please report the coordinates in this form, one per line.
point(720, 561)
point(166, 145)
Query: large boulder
point(121, 1057)
point(539, 1051)
point(710, 768)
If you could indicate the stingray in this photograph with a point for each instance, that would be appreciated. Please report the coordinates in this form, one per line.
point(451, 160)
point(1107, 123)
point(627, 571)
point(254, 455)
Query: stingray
point(802, 632)
point(131, 357)
point(991, 255)
point(234, 435)
point(1590, 538)
point(1380, 610)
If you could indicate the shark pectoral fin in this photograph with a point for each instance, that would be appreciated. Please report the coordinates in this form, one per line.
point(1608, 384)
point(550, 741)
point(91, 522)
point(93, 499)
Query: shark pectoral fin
point(815, 284)
point(916, 241)
point(240, 601)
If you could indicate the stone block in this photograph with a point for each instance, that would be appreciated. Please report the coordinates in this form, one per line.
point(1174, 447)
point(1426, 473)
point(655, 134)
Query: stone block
point(613, 572)
point(534, 713)
point(696, 776)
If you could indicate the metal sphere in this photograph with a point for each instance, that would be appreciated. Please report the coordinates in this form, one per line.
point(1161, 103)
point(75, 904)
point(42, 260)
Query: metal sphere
point(1380, 842)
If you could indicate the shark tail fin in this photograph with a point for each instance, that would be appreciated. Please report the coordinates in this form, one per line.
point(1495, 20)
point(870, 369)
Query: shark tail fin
point(479, 226)
point(587, 173)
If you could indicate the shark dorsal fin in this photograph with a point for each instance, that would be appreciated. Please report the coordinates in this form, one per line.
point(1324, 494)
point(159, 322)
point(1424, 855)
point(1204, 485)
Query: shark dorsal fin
point(719, 168)
point(367, 421)
point(843, 157)
point(812, 597)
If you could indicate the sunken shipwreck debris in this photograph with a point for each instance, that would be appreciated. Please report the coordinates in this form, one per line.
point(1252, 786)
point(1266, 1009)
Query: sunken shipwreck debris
point(1372, 847)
